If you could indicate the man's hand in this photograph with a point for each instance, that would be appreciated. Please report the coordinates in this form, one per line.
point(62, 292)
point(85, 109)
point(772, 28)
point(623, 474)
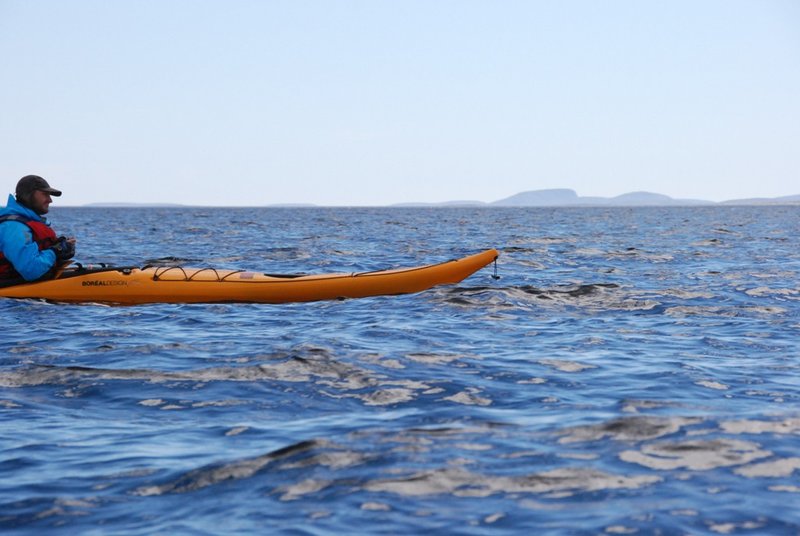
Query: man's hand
point(64, 249)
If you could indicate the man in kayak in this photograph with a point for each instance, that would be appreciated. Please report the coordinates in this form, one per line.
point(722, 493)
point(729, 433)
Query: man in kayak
point(29, 248)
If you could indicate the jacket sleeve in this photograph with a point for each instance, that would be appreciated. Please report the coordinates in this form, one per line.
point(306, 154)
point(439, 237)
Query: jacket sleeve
point(23, 253)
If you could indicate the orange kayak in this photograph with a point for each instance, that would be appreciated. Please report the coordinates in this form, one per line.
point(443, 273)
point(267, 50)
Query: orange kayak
point(176, 284)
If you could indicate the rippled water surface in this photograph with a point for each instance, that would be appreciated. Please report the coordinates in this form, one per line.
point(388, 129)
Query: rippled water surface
point(633, 371)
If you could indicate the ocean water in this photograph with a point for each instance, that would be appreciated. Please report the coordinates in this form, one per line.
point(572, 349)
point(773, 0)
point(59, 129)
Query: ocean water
point(633, 371)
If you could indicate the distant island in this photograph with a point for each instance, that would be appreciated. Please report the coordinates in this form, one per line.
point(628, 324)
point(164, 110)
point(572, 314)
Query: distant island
point(565, 197)
point(557, 197)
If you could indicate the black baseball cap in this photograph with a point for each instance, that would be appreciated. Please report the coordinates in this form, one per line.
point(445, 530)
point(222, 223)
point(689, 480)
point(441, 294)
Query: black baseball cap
point(30, 183)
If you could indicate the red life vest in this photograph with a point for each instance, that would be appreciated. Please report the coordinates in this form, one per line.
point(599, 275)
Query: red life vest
point(43, 235)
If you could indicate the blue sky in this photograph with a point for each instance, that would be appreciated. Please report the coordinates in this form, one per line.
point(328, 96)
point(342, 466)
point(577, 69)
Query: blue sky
point(372, 102)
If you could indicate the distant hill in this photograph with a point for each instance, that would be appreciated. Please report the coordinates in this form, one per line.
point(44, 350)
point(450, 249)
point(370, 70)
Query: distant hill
point(785, 200)
point(541, 198)
point(563, 197)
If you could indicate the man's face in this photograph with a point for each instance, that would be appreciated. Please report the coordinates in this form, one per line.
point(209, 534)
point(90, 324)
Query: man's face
point(40, 202)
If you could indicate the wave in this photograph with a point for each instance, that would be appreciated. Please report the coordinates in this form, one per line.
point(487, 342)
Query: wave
point(648, 442)
point(214, 474)
point(329, 376)
point(589, 296)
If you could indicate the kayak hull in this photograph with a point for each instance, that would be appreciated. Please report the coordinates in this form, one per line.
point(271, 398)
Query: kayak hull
point(131, 286)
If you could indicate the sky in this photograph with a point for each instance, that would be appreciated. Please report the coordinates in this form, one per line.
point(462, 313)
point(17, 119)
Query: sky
point(374, 102)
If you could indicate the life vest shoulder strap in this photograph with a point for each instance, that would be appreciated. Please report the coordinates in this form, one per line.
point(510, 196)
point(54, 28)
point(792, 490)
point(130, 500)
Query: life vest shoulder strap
point(15, 217)
point(43, 234)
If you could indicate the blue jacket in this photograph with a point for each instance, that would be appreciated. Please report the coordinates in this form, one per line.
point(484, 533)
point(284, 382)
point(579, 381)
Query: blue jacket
point(16, 243)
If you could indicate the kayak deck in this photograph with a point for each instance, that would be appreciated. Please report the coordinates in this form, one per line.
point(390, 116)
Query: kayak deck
point(178, 284)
